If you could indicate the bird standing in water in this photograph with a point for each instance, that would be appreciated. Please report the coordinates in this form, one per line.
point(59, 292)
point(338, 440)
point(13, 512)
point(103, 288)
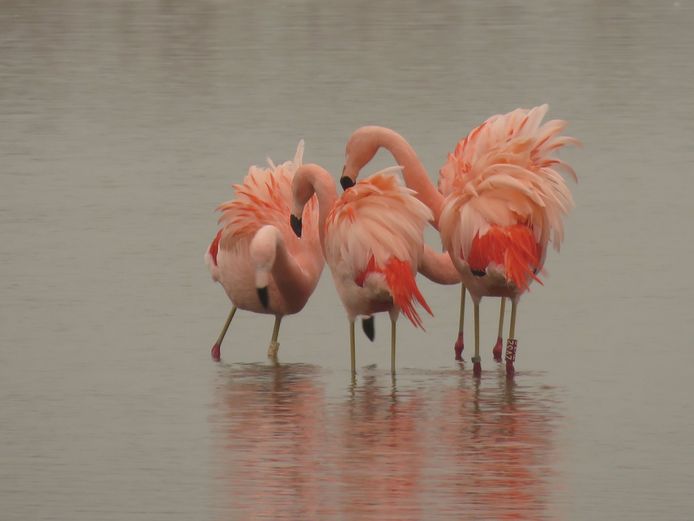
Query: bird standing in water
point(361, 147)
point(262, 266)
point(372, 239)
point(504, 202)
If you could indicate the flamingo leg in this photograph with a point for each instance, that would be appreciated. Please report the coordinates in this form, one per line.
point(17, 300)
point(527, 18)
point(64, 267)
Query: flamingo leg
point(351, 347)
point(476, 360)
point(274, 344)
point(392, 346)
point(459, 343)
point(499, 339)
point(216, 348)
point(511, 343)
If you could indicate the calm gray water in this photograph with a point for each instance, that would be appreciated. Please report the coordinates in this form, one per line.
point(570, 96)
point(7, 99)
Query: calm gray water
point(123, 125)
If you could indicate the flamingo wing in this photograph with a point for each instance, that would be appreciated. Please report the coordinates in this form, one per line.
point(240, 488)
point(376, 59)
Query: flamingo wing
point(264, 197)
point(506, 198)
point(376, 228)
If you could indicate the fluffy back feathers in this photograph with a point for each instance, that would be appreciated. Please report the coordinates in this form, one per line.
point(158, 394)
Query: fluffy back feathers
point(380, 217)
point(377, 227)
point(504, 173)
point(264, 197)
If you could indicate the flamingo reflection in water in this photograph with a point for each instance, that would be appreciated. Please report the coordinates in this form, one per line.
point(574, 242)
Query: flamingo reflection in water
point(431, 445)
point(270, 436)
point(382, 459)
point(506, 448)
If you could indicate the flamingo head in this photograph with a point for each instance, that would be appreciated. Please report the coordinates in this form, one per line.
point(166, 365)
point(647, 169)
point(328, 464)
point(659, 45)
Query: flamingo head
point(360, 149)
point(302, 190)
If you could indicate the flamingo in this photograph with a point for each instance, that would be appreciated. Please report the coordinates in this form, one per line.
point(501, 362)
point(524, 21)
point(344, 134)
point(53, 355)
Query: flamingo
point(361, 147)
point(372, 240)
point(504, 202)
point(256, 257)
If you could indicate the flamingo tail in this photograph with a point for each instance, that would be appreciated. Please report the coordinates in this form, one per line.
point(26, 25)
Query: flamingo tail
point(402, 285)
point(512, 247)
point(404, 289)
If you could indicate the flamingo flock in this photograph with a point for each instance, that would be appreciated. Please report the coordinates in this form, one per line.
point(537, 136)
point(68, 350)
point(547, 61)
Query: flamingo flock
point(499, 204)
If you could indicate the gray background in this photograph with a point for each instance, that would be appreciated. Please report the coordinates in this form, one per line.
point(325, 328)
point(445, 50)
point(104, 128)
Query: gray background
point(123, 125)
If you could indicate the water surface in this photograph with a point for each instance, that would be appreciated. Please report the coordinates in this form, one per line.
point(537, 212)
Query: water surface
point(123, 125)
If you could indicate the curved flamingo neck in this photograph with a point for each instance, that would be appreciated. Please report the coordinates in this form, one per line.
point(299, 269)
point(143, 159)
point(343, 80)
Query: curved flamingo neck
point(414, 173)
point(295, 279)
point(321, 183)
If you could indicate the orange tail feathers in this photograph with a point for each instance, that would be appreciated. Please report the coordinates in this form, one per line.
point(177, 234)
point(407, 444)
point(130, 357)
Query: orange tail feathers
point(404, 289)
point(513, 247)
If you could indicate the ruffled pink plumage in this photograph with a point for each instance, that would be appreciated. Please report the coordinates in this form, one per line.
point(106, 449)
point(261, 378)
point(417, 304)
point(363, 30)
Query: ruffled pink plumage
point(504, 196)
point(374, 235)
point(240, 249)
point(264, 197)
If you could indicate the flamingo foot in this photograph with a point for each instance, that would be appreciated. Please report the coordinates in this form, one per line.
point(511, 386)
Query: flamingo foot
point(459, 346)
point(476, 366)
point(511, 346)
point(497, 351)
point(272, 349)
point(216, 355)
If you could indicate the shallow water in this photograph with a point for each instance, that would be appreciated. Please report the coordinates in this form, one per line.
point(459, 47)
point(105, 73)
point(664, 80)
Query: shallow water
point(122, 126)
point(425, 445)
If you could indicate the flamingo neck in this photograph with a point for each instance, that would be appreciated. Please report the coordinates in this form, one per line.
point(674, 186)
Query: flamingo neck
point(292, 276)
point(414, 173)
point(326, 192)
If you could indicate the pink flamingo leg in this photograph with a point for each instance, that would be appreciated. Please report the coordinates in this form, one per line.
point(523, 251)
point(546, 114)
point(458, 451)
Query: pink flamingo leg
point(217, 347)
point(459, 343)
point(458, 347)
point(498, 347)
point(511, 343)
point(476, 360)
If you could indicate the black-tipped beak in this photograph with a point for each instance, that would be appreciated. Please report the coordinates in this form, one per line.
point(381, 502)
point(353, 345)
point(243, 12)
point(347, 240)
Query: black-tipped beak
point(263, 296)
point(346, 182)
point(296, 224)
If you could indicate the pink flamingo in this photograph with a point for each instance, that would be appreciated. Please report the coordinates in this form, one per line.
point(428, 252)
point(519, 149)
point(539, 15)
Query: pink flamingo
point(255, 256)
point(504, 202)
point(360, 149)
point(372, 239)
